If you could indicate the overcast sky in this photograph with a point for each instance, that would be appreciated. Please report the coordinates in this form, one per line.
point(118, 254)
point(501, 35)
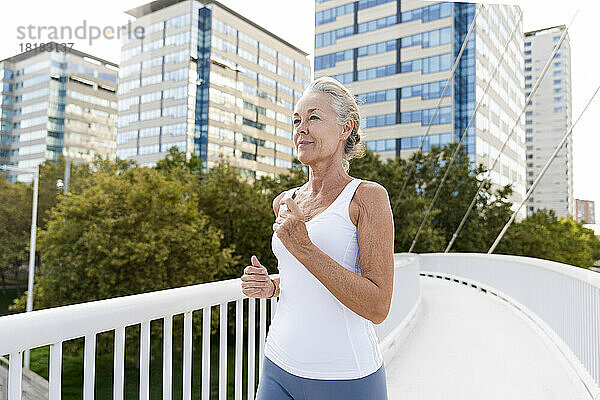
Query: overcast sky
point(294, 21)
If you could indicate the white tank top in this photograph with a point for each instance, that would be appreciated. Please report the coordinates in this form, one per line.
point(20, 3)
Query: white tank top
point(314, 335)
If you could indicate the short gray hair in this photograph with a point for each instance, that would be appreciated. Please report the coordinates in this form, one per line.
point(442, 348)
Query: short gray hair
point(346, 108)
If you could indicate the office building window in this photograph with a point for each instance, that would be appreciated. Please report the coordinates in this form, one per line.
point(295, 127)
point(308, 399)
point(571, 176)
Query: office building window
point(377, 72)
point(431, 90)
point(330, 15)
point(378, 96)
point(428, 39)
point(344, 78)
point(442, 62)
point(442, 116)
point(428, 13)
point(380, 120)
point(381, 145)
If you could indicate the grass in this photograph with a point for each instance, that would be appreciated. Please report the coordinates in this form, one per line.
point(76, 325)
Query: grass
point(72, 371)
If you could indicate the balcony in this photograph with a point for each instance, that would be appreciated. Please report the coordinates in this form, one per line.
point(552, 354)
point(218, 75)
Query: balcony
point(461, 326)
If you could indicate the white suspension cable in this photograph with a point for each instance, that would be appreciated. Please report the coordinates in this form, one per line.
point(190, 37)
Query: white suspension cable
point(437, 107)
point(529, 98)
point(449, 164)
point(541, 174)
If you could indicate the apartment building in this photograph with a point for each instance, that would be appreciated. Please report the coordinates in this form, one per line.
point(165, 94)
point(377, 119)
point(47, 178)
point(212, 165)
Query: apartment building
point(211, 82)
point(397, 57)
point(56, 100)
point(548, 117)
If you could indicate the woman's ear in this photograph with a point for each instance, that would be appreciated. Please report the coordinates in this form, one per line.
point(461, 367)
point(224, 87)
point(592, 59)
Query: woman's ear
point(347, 131)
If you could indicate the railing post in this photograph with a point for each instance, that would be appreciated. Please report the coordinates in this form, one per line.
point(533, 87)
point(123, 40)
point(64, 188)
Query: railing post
point(145, 360)
point(262, 333)
point(119, 364)
point(239, 347)
point(15, 374)
point(89, 366)
point(206, 322)
point(187, 356)
point(167, 356)
point(54, 374)
point(251, 346)
point(223, 351)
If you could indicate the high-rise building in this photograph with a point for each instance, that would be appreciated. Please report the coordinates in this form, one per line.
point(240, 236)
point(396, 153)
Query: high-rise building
point(56, 100)
point(548, 117)
point(584, 211)
point(397, 57)
point(208, 81)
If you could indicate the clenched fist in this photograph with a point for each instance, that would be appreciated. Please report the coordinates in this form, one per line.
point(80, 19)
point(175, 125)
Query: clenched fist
point(256, 281)
point(291, 228)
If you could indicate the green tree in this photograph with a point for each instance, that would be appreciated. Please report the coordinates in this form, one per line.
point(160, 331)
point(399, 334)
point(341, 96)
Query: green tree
point(240, 211)
point(544, 235)
point(15, 228)
point(126, 233)
point(423, 173)
point(409, 210)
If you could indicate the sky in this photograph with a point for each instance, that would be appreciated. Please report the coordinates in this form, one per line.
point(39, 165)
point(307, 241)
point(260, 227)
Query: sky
point(294, 22)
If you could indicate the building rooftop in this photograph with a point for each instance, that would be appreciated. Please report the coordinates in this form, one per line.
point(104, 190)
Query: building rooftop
point(549, 29)
point(156, 5)
point(36, 51)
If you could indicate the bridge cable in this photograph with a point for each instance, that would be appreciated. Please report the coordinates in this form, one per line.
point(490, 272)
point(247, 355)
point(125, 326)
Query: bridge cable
point(527, 101)
point(449, 164)
point(437, 107)
point(541, 174)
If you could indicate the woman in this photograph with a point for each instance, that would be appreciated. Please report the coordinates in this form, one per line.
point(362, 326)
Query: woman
point(333, 239)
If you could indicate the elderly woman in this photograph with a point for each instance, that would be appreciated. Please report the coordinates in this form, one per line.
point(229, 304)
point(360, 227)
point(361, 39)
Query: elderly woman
point(334, 240)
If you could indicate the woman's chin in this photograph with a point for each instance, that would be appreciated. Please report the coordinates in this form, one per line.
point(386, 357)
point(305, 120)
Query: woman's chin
point(303, 158)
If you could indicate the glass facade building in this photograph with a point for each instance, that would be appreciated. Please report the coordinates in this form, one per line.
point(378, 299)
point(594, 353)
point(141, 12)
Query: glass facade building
point(210, 82)
point(396, 56)
point(56, 102)
point(547, 119)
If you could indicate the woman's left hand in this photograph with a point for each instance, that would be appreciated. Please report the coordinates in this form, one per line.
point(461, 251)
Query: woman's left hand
point(290, 227)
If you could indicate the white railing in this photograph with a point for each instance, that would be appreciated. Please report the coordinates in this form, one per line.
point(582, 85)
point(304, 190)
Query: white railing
point(406, 301)
point(562, 300)
point(53, 327)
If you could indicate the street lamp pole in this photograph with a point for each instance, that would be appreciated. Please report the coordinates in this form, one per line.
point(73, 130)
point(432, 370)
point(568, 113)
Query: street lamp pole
point(36, 177)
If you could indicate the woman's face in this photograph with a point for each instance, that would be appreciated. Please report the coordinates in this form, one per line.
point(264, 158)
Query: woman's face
point(317, 133)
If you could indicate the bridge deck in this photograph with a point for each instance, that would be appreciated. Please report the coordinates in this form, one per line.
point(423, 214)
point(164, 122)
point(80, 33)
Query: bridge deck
point(470, 345)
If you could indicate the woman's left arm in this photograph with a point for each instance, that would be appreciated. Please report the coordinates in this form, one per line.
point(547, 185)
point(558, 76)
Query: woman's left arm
point(368, 295)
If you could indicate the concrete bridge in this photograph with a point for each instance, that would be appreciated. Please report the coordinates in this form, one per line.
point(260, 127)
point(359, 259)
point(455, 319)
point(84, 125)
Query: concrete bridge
point(461, 326)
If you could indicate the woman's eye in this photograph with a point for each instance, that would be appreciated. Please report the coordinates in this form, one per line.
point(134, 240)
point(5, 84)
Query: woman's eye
point(296, 121)
point(314, 116)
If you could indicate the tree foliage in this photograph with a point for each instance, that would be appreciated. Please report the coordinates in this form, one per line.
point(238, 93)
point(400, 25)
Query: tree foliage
point(125, 233)
point(15, 225)
point(544, 235)
point(123, 229)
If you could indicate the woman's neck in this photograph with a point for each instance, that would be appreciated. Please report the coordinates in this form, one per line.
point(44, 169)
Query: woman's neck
point(324, 180)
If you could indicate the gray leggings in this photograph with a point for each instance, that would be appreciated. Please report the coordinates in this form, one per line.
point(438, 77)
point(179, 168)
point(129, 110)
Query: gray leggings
point(278, 384)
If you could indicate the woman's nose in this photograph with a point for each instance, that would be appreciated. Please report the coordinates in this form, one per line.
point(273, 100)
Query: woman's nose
point(302, 128)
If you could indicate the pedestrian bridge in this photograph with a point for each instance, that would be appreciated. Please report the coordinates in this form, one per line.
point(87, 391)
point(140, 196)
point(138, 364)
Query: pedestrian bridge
point(461, 326)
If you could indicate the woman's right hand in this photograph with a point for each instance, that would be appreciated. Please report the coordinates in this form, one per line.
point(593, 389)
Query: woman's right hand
point(256, 281)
